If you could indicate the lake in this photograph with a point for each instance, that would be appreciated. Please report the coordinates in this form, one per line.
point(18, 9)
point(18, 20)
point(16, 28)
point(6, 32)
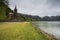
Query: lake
point(50, 27)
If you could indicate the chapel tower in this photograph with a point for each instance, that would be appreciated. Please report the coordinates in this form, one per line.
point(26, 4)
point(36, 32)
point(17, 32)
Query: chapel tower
point(15, 13)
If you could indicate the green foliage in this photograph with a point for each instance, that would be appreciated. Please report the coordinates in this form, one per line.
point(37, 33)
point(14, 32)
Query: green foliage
point(20, 17)
point(3, 8)
point(3, 12)
point(5, 2)
point(29, 17)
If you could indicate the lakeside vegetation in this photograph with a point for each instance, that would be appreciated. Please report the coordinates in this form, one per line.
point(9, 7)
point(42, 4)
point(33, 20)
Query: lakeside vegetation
point(20, 31)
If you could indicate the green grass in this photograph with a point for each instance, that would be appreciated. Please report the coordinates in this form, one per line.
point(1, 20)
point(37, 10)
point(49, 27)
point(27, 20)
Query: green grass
point(19, 31)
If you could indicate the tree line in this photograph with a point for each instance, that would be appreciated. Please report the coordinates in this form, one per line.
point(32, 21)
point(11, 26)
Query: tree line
point(38, 18)
point(52, 18)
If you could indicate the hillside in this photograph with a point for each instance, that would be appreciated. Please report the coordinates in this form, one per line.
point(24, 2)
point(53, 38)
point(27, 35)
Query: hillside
point(27, 17)
point(3, 12)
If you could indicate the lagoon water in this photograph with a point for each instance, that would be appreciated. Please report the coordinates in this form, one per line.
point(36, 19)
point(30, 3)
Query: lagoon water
point(50, 27)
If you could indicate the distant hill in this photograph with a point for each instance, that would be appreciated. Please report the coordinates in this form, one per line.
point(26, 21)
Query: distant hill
point(29, 17)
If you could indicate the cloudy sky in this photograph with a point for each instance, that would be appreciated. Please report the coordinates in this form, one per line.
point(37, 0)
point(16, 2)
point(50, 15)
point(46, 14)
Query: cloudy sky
point(37, 7)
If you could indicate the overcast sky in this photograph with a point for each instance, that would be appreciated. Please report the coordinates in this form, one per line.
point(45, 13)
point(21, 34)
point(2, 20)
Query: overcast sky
point(37, 7)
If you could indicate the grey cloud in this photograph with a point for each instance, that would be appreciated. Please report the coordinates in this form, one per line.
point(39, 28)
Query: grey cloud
point(54, 3)
point(37, 7)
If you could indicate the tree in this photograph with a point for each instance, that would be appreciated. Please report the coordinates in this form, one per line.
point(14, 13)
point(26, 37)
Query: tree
point(3, 9)
point(4, 2)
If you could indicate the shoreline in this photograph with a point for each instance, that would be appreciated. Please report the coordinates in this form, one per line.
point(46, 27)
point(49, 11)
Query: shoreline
point(49, 36)
point(20, 31)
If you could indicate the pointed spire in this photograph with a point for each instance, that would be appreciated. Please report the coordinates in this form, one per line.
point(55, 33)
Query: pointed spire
point(15, 9)
point(15, 6)
point(15, 12)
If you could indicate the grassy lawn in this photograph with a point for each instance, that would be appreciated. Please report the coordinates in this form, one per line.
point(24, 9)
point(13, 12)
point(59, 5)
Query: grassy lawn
point(19, 31)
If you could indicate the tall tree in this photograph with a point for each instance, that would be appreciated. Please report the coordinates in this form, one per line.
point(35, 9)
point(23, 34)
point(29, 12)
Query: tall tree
point(6, 2)
point(3, 8)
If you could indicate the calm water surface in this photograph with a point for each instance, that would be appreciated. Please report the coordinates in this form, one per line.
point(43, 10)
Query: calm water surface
point(50, 27)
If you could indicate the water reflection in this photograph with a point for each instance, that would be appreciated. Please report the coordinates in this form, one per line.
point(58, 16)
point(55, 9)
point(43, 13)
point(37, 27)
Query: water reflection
point(50, 27)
